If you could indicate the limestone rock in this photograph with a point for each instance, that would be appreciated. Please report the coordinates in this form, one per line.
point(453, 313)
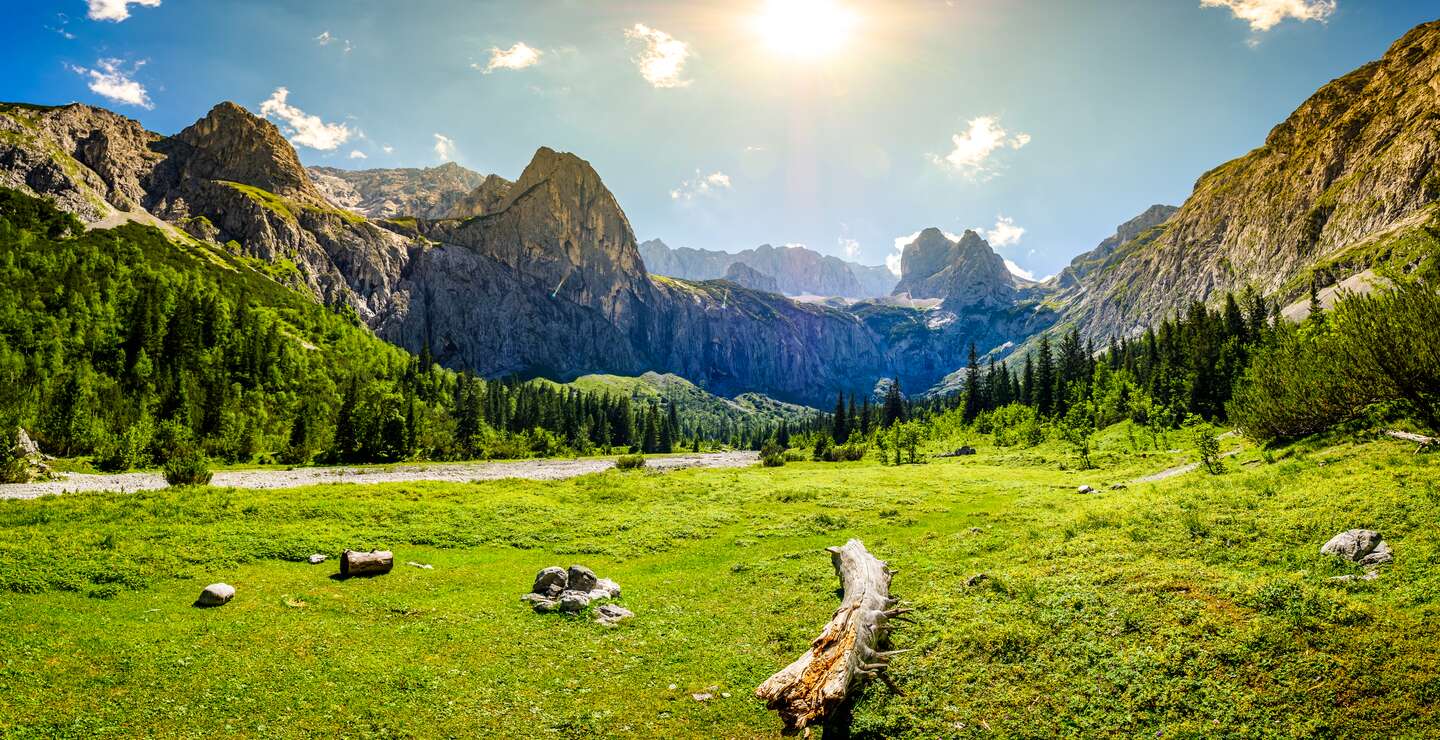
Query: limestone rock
point(1353, 545)
point(550, 581)
point(430, 193)
point(25, 446)
point(317, 558)
point(612, 614)
point(609, 587)
point(580, 578)
point(1085, 490)
point(216, 594)
point(1381, 555)
point(573, 601)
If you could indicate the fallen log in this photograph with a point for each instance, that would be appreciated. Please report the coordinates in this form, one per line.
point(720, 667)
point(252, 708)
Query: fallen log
point(847, 652)
point(1426, 443)
point(373, 563)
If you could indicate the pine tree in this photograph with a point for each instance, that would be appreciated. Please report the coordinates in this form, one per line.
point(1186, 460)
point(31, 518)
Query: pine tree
point(1045, 379)
point(973, 402)
point(894, 411)
point(865, 418)
point(841, 429)
point(347, 442)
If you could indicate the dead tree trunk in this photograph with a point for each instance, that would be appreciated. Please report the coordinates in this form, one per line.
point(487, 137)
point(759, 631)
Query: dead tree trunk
point(848, 649)
point(366, 563)
point(1426, 443)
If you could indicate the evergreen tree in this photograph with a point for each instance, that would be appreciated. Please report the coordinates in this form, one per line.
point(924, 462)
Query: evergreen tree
point(973, 401)
point(841, 431)
point(1045, 378)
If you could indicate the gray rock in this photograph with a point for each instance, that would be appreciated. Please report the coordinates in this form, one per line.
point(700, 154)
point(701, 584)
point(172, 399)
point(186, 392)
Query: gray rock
point(26, 447)
point(1370, 575)
point(581, 578)
point(1353, 545)
point(573, 601)
point(1085, 490)
point(317, 558)
point(540, 602)
point(612, 614)
point(1381, 555)
point(216, 594)
point(976, 580)
point(550, 580)
point(608, 586)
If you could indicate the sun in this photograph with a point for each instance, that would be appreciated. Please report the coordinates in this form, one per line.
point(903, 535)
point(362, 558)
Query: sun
point(807, 29)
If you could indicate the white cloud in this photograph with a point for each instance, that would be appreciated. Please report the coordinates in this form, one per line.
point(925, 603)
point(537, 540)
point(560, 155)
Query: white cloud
point(326, 39)
point(519, 56)
point(444, 148)
point(702, 185)
point(1005, 233)
point(113, 83)
point(116, 10)
point(357, 154)
point(662, 56)
point(1263, 15)
point(1019, 271)
point(388, 149)
point(982, 137)
point(850, 247)
point(304, 129)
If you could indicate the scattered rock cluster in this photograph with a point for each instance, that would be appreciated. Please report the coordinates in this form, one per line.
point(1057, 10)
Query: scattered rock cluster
point(1363, 546)
point(572, 591)
point(35, 460)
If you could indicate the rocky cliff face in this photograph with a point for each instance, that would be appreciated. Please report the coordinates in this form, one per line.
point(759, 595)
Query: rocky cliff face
point(1335, 188)
point(746, 276)
point(432, 192)
point(966, 274)
point(1153, 217)
point(797, 270)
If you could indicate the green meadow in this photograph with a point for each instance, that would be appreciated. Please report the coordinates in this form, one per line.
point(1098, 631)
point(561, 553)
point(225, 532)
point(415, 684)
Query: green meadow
point(1195, 606)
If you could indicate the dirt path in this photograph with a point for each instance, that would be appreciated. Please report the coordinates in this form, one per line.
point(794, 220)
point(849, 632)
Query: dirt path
point(1181, 470)
point(454, 473)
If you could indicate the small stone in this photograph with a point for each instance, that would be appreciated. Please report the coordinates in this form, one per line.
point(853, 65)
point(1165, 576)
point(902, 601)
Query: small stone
point(317, 558)
point(673, 687)
point(724, 695)
point(216, 594)
point(581, 578)
point(1118, 487)
point(1353, 545)
point(1342, 579)
point(612, 614)
point(702, 697)
point(573, 601)
point(1370, 575)
point(609, 586)
point(549, 580)
point(976, 530)
point(421, 566)
point(976, 580)
point(1085, 490)
point(545, 606)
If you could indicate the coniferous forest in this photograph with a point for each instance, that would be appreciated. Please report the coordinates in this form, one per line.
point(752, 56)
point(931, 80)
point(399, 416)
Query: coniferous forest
point(120, 346)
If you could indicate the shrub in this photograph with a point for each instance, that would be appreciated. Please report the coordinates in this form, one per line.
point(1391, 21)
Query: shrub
point(822, 448)
point(1208, 445)
point(188, 467)
point(772, 455)
point(630, 462)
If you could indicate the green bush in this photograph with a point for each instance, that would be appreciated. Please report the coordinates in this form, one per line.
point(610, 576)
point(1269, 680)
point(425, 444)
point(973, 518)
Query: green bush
point(630, 462)
point(188, 467)
point(772, 455)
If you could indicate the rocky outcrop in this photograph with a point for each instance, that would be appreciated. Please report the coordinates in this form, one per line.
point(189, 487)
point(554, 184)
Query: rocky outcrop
point(1153, 217)
point(966, 274)
point(1348, 180)
point(746, 276)
point(432, 192)
point(483, 200)
point(797, 270)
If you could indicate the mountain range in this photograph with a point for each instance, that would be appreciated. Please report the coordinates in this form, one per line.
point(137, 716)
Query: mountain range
point(796, 270)
point(544, 277)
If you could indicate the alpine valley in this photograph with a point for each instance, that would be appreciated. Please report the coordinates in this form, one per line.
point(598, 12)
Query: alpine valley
point(543, 276)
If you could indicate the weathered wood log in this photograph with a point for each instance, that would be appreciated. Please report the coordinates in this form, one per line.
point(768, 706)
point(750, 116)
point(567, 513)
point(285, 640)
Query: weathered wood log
point(847, 652)
point(373, 563)
point(1426, 443)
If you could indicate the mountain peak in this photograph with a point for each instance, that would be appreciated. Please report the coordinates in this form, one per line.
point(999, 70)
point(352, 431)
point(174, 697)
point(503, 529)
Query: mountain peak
point(964, 272)
point(232, 144)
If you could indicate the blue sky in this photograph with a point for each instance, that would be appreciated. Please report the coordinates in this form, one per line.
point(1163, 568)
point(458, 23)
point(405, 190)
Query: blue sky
point(714, 130)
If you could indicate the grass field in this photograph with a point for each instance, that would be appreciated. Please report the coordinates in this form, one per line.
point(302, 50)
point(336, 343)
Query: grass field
point(1197, 606)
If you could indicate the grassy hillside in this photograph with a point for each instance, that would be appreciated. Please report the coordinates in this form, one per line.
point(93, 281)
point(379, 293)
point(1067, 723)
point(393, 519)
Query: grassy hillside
point(697, 405)
point(1193, 606)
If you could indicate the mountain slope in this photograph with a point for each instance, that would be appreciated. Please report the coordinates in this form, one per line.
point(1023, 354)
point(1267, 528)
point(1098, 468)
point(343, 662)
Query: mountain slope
point(432, 192)
point(1348, 181)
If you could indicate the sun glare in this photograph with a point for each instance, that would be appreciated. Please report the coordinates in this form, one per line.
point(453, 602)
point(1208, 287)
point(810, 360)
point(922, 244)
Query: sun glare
point(806, 28)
